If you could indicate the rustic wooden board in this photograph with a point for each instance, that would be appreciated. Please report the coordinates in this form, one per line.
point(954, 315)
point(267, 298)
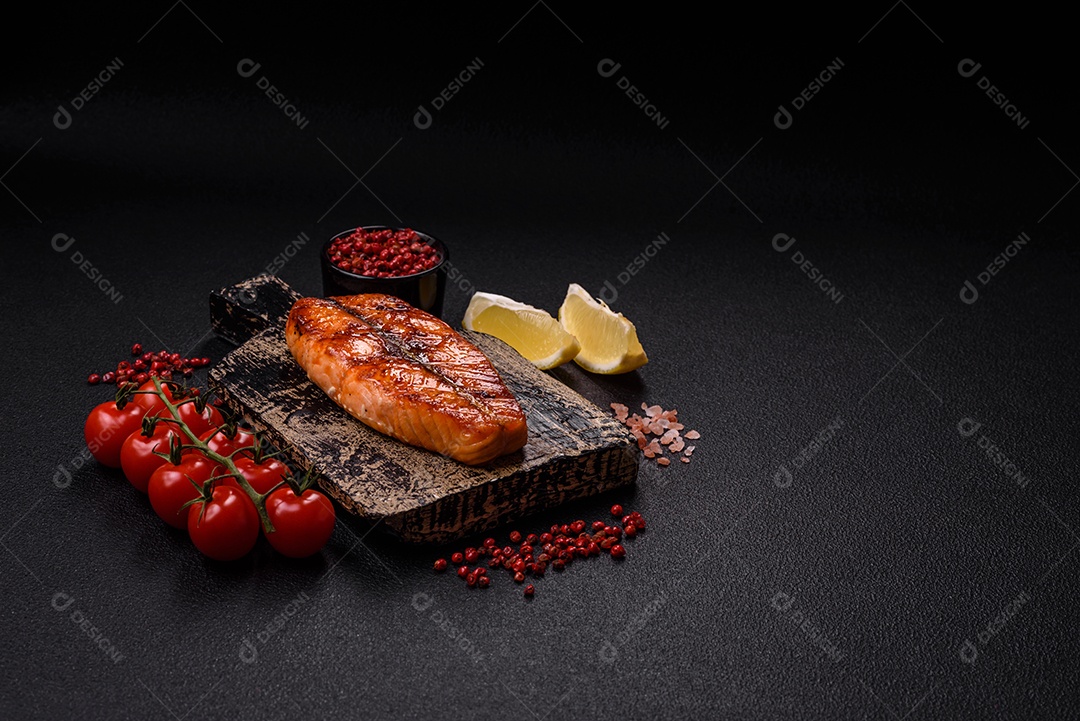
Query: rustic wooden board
point(575, 449)
point(239, 312)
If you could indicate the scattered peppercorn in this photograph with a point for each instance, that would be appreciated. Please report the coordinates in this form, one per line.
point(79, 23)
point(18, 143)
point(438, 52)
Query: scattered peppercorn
point(162, 364)
point(557, 547)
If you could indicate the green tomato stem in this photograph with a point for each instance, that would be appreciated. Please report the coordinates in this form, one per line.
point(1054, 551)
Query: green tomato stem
point(226, 461)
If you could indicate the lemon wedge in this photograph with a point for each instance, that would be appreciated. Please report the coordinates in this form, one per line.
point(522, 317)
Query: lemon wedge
point(530, 331)
point(609, 342)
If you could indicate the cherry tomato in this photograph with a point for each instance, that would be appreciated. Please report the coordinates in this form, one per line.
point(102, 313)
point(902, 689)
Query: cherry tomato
point(106, 429)
point(200, 423)
point(137, 454)
point(150, 402)
point(262, 476)
point(223, 445)
point(225, 528)
point(210, 418)
point(302, 524)
point(169, 488)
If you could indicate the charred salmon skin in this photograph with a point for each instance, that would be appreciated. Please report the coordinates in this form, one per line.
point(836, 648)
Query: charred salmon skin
point(406, 373)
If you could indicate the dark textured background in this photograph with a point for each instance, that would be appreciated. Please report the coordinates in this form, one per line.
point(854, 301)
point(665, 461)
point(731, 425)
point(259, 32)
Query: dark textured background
point(849, 593)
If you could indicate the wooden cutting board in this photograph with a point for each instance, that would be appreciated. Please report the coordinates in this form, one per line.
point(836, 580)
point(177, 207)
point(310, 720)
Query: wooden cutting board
point(575, 448)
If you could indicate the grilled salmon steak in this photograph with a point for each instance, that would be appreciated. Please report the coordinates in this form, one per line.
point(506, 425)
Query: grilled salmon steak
point(406, 373)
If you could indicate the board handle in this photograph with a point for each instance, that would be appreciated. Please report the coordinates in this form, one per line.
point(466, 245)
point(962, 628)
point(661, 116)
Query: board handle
point(240, 312)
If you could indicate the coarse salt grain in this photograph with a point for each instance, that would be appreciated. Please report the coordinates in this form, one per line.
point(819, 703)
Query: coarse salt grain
point(663, 424)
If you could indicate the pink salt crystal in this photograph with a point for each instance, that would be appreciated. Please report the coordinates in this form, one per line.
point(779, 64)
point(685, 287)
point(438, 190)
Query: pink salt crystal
point(658, 422)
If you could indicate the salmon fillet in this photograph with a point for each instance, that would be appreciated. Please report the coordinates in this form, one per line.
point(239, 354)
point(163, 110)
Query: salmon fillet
point(406, 373)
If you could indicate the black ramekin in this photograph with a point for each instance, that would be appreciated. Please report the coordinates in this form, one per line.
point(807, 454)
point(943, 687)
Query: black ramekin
point(424, 290)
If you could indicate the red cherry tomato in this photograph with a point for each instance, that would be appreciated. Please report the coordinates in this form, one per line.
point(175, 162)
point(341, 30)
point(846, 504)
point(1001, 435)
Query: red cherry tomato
point(223, 445)
point(210, 418)
point(302, 524)
point(262, 476)
point(106, 429)
point(225, 528)
point(150, 402)
point(137, 454)
point(170, 488)
point(200, 423)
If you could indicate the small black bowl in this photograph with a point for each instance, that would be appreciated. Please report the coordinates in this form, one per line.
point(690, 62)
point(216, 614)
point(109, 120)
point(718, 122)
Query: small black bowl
point(424, 290)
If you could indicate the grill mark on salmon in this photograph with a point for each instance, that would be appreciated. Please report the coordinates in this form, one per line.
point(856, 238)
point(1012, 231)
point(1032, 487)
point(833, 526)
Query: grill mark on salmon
point(407, 374)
